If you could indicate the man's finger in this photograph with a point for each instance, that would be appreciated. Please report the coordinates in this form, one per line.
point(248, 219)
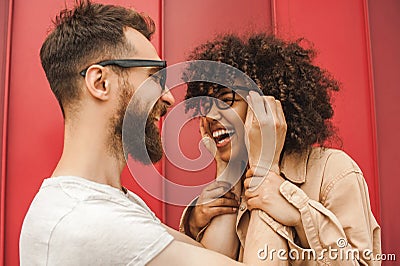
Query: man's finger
point(229, 195)
point(223, 202)
point(218, 184)
point(217, 192)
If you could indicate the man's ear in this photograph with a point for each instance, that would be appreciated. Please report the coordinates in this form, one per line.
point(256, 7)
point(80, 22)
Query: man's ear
point(96, 82)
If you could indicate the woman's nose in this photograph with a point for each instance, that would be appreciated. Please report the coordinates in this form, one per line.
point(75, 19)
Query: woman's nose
point(214, 113)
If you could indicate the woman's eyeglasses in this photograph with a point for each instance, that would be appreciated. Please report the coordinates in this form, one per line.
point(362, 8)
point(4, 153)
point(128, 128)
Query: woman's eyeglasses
point(222, 101)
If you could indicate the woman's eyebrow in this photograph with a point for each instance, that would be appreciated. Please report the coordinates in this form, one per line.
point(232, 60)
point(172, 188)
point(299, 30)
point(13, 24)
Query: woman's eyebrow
point(222, 92)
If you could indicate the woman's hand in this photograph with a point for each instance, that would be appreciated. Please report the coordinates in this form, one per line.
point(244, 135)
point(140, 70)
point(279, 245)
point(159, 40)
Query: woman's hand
point(216, 199)
point(268, 198)
point(265, 133)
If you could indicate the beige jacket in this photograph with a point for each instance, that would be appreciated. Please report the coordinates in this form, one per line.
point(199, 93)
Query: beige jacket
point(329, 190)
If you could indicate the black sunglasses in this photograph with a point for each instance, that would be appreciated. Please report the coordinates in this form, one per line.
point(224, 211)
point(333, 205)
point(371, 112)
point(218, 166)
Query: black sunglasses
point(126, 63)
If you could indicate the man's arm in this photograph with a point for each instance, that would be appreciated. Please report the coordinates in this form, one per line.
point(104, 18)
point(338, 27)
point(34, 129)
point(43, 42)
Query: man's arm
point(178, 236)
point(212, 221)
point(220, 235)
point(261, 240)
point(183, 254)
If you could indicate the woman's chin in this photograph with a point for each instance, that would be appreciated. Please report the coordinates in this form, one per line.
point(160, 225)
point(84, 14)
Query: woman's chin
point(226, 156)
point(232, 155)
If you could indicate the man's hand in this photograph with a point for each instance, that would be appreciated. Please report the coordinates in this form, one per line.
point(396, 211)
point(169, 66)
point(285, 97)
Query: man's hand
point(268, 198)
point(216, 199)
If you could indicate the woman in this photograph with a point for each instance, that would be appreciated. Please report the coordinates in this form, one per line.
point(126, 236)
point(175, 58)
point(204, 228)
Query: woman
point(316, 197)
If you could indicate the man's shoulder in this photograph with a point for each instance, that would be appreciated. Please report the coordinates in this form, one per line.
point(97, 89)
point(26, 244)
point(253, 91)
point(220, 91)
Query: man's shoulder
point(67, 204)
point(87, 218)
point(64, 197)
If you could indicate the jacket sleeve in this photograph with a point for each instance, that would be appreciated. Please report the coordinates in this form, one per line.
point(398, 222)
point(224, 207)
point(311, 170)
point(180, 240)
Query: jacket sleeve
point(341, 228)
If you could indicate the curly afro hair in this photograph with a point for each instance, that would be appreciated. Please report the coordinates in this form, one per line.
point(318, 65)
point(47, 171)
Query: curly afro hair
point(282, 69)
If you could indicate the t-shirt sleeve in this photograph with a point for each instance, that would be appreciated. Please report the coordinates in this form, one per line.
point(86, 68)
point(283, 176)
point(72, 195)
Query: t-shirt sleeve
point(152, 238)
point(94, 235)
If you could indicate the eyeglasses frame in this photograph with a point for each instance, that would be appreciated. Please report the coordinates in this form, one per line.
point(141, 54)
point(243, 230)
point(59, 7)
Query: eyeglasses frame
point(227, 106)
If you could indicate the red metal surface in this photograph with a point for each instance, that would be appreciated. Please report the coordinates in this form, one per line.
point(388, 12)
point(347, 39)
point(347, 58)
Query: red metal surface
point(188, 24)
point(35, 127)
point(385, 39)
point(153, 9)
point(6, 47)
point(375, 181)
point(339, 30)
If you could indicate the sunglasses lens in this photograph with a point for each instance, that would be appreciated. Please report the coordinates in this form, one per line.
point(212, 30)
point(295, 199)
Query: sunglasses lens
point(163, 79)
point(160, 78)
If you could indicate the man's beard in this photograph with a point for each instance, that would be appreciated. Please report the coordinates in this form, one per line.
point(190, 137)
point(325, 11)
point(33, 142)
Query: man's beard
point(141, 137)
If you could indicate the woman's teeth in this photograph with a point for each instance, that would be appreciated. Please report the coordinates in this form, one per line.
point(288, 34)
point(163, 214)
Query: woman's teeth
point(218, 133)
point(222, 135)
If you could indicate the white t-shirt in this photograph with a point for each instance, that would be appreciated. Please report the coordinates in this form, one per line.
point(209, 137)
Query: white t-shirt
point(74, 221)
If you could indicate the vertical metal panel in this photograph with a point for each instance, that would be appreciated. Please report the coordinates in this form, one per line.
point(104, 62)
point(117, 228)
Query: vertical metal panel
point(188, 24)
point(153, 9)
point(385, 38)
point(5, 47)
point(35, 124)
point(339, 30)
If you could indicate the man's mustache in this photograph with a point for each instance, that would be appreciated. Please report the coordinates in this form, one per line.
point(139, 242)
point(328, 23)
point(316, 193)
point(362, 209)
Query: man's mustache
point(159, 108)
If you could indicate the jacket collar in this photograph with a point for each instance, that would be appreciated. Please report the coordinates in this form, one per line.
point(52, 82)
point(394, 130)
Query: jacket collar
point(294, 166)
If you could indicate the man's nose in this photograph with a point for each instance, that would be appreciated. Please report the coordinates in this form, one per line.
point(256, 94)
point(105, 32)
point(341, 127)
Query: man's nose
point(167, 97)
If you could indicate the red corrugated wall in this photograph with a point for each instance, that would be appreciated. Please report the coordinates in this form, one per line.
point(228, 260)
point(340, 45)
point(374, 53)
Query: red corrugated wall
point(349, 35)
point(385, 43)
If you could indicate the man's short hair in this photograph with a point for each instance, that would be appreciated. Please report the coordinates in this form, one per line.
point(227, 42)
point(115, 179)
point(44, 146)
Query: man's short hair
point(84, 35)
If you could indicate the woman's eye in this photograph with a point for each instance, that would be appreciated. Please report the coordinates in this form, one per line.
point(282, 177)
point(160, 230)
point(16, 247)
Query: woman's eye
point(227, 100)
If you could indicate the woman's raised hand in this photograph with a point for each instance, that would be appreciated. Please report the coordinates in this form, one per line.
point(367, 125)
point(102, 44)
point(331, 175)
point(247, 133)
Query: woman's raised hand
point(265, 134)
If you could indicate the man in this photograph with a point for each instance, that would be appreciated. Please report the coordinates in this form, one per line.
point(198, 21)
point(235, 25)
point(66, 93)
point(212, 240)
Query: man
point(82, 215)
